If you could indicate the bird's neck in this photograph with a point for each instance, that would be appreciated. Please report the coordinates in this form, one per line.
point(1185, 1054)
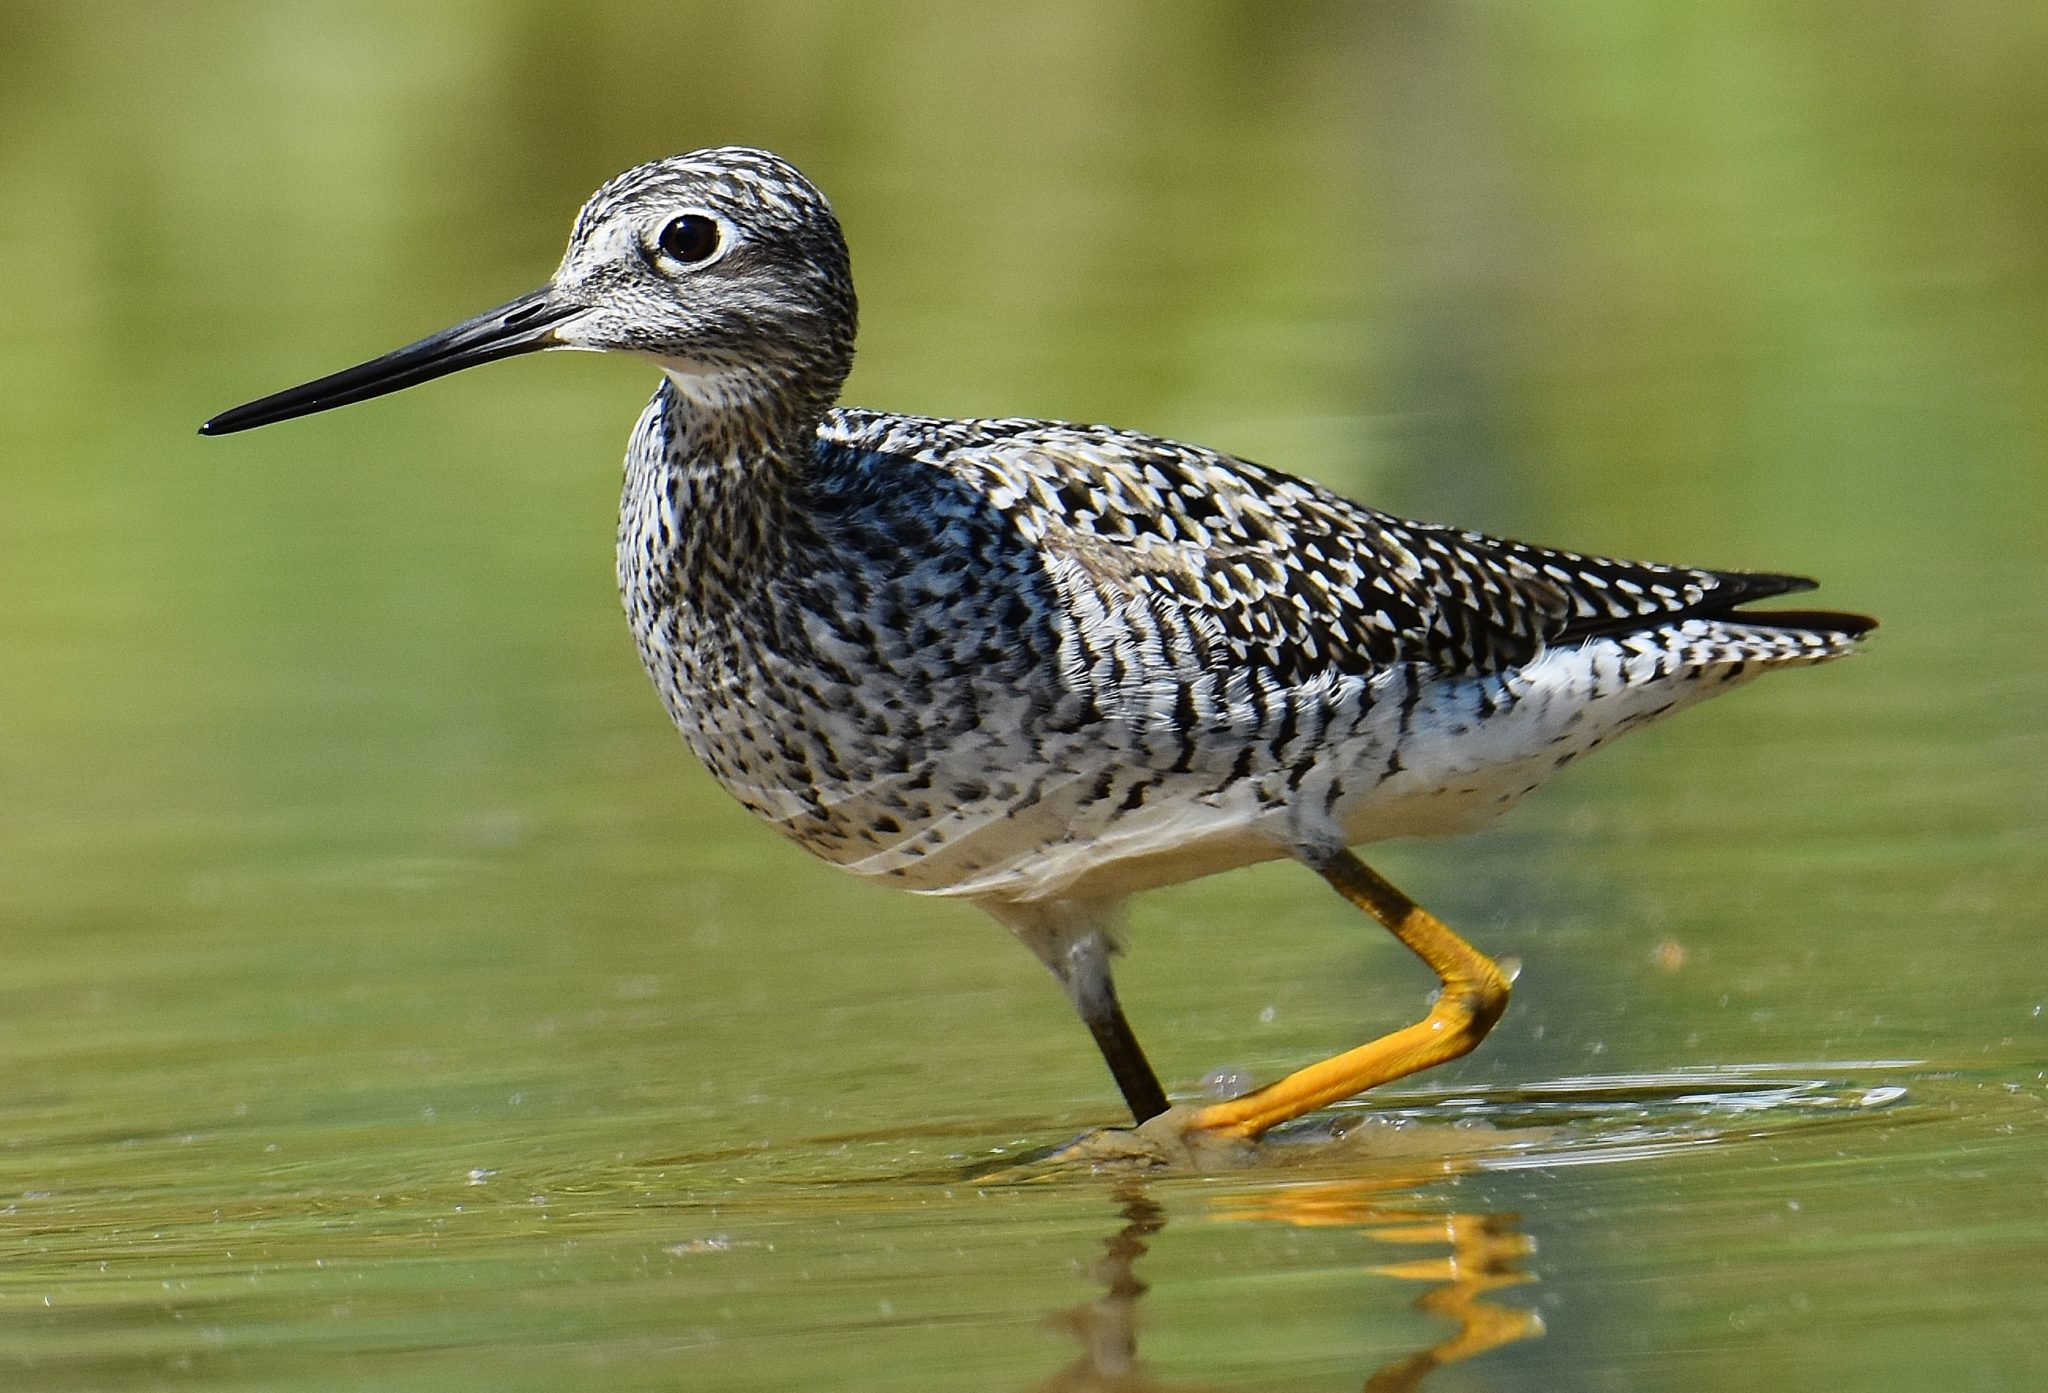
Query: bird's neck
point(713, 496)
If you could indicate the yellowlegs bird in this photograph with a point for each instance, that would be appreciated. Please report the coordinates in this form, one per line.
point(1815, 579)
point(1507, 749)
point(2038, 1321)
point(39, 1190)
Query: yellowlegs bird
point(1042, 667)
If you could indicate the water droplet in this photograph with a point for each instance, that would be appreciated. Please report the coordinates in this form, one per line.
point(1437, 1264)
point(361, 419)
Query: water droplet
point(1226, 1083)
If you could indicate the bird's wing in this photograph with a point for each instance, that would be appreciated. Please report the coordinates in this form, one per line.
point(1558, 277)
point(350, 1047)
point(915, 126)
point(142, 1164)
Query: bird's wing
point(1203, 552)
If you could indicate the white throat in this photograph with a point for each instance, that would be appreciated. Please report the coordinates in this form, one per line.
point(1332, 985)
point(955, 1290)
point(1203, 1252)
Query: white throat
point(712, 387)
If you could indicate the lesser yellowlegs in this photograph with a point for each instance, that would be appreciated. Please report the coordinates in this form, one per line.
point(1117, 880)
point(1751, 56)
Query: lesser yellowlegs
point(1042, 666)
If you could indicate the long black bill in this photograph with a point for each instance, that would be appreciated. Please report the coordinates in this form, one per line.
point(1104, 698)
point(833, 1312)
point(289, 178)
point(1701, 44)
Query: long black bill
point(525, 325)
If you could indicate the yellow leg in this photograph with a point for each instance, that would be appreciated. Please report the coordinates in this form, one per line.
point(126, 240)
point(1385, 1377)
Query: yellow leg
point(1475, 992)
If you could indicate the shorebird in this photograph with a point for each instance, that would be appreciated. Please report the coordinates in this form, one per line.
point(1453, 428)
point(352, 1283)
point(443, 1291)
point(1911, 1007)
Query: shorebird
point(1043, 667)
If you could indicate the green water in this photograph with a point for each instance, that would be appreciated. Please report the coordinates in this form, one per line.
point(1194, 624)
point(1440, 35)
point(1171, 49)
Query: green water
point(390, 1002)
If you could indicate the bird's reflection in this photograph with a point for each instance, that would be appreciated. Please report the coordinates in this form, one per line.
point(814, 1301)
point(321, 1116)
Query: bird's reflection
point(1481, 1254)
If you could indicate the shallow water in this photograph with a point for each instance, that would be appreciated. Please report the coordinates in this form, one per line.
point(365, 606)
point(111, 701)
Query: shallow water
point(390, 1003)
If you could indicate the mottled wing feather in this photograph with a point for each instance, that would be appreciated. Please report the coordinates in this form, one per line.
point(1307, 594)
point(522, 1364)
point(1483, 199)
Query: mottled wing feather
point(1282, 573)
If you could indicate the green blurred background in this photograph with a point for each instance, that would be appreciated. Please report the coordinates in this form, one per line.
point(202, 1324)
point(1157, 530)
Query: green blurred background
point(391, 1002)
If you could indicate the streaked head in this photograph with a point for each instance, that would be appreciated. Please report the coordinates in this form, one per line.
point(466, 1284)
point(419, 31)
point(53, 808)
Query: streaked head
point(725, 266)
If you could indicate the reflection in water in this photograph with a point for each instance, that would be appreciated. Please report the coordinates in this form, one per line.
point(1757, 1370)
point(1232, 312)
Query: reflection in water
point(1485, 1251)
point(1107, 1326)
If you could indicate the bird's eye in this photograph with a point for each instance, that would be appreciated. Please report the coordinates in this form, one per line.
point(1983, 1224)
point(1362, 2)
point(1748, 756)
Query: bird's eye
point(690, 238)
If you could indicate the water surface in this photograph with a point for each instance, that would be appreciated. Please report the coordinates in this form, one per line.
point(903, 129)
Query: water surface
point(391, 1003)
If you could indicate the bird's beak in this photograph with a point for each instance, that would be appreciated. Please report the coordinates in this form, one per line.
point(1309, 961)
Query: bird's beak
point(525, 325)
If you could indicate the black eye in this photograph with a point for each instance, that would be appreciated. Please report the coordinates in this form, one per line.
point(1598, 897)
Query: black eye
point(692, 237)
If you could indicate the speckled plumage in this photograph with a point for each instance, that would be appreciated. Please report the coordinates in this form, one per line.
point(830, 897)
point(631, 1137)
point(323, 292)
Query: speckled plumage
point(1044, 666)
point(1022, 660)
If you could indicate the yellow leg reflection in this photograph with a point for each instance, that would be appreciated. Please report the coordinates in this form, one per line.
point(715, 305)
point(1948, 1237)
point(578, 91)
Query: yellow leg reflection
point(1484, 1255)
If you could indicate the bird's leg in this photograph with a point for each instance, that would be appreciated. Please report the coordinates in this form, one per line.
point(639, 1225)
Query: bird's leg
point(1085, 974)
point(1072, 938)
point(1475, 992)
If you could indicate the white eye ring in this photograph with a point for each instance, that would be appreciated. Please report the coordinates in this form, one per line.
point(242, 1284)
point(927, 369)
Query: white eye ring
point(693, 239)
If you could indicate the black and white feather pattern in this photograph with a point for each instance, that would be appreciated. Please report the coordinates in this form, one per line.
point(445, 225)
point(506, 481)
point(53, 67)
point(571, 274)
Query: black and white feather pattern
point(1021, 659)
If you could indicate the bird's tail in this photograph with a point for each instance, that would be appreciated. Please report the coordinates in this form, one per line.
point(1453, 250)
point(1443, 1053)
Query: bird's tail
point(1834, 623)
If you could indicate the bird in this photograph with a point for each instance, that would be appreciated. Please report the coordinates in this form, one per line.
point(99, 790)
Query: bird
point(1043, 667)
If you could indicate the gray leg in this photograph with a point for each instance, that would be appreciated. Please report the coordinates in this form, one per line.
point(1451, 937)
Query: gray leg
point(1073, 941)
point(1094, 996)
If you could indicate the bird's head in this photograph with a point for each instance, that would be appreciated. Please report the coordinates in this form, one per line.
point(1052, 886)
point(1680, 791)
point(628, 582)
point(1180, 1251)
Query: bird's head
point(725, 266)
